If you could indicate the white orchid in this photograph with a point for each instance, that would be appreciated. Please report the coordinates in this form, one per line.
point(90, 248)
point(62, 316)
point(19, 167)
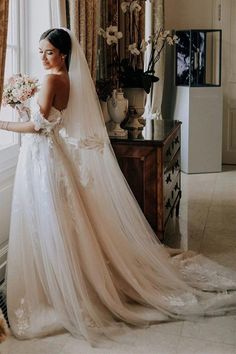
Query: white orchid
point(133, 49)
point(111, 29)
point(143, 45)
point(175, 38)
point(165, 34)
point(170, 40)
point(131, 6)
point(125, 6)
point(112, 35)
point(111, 40)
point(118, 34)
point(101, 32)
point(134, 6)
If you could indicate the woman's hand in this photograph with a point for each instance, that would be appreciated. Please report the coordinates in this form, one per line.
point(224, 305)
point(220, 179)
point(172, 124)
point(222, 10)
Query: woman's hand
point(23, 112)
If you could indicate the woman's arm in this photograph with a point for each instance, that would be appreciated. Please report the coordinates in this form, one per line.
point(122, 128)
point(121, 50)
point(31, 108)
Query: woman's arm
point(18, 127)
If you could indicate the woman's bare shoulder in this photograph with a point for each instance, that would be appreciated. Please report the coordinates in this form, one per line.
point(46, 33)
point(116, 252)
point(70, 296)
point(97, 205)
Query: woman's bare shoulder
point(51, 79)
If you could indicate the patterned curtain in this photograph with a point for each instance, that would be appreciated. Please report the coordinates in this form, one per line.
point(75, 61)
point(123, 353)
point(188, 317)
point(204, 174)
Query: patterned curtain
point(3, 40)
point(83, 22)
point(153, 106)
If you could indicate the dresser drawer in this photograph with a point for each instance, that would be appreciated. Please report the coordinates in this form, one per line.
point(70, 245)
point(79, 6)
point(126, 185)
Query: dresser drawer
point(170, 149)
point(171, 197)
point(172, 170)
point(152, 170)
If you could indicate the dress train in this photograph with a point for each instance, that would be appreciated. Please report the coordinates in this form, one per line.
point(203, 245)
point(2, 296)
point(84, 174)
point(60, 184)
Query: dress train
point(77, 261)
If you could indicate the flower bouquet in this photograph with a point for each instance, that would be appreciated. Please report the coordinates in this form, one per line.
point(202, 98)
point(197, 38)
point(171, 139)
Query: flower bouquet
point(18, 89)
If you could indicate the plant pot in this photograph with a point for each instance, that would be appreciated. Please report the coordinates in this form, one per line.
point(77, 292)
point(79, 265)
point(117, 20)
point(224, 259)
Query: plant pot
point(137, 98)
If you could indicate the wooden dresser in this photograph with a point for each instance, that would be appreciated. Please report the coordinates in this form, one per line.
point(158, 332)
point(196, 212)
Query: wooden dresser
point(151, 166)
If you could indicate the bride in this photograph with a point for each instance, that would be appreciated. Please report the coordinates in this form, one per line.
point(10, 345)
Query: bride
point(82, 256)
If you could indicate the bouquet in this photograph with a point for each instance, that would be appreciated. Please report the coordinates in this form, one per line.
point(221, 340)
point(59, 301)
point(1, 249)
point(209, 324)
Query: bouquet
point(18, 89)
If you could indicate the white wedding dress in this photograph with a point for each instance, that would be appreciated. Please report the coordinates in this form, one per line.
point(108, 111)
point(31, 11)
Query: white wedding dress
point(82, 256)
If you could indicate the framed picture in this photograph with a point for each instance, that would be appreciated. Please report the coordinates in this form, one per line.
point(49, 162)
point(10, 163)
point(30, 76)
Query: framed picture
point(198, 58)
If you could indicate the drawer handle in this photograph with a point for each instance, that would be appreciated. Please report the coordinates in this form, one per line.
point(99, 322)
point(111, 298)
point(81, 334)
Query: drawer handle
point(177, 140)
point(176, 187)
point(177, 164)
point(168, 179)
point(168, 152)
point(168, 204)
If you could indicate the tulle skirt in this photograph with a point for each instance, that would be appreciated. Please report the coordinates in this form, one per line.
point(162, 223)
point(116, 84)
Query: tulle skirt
point(82, 256)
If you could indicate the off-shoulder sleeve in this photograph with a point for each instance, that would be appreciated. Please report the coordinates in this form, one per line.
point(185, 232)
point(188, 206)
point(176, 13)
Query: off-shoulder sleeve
point(40, 123)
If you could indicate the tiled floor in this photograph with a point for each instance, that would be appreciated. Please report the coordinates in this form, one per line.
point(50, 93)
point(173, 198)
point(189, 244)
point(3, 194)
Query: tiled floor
point(207, 224)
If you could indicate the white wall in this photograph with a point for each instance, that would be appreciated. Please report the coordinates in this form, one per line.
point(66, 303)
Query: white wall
point(188, 14)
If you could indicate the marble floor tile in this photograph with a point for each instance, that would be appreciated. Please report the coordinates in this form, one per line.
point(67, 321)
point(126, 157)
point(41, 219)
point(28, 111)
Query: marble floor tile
point(222, 218)
point(34, 346)
point(184, 236)
point(215, 329)
point(143, 341)
point(195, 346)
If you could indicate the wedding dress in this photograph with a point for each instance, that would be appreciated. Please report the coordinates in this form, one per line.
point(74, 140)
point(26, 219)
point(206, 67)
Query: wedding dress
point(82, 256)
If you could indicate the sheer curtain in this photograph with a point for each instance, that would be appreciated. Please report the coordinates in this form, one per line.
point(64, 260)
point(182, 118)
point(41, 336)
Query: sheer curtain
point(154, 19)
point(58, 13)
point(83, 22)
point(3, 39)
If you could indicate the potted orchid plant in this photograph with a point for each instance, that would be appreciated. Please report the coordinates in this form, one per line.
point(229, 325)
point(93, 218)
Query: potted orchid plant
point(132, 73)
point(129, 71)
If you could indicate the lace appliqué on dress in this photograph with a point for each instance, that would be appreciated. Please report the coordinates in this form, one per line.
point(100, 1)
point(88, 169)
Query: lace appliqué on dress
point(74, 148)
point(22, 318)
point(93, 143)
point(205, 274)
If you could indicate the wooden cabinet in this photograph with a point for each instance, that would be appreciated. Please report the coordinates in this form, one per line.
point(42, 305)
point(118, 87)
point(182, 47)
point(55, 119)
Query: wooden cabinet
point(151, 167)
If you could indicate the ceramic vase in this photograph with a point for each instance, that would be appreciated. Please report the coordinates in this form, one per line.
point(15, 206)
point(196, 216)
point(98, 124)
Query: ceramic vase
point(117, 106)
point(105, 113)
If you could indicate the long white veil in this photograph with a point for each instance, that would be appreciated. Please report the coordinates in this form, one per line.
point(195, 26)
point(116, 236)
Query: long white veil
point(83, 100)
point(87, 138)
point(138, 265)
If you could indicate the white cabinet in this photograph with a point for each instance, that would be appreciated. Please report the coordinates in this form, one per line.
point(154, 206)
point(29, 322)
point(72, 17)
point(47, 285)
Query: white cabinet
point(200, 109)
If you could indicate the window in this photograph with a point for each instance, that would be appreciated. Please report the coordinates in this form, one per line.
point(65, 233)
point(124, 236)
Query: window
point(13, 65)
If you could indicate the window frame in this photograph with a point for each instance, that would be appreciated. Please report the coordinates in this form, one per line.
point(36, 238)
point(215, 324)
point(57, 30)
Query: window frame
point(20, 8)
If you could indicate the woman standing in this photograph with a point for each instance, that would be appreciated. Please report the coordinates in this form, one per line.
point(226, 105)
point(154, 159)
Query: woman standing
point(82, 256)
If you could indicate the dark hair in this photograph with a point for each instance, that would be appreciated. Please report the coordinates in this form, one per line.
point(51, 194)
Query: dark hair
point(61, 40)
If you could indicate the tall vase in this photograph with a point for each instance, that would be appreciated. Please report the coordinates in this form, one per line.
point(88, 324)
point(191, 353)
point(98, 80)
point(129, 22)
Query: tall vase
point(117, 106)
point(105, 113)
point(137, 98)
